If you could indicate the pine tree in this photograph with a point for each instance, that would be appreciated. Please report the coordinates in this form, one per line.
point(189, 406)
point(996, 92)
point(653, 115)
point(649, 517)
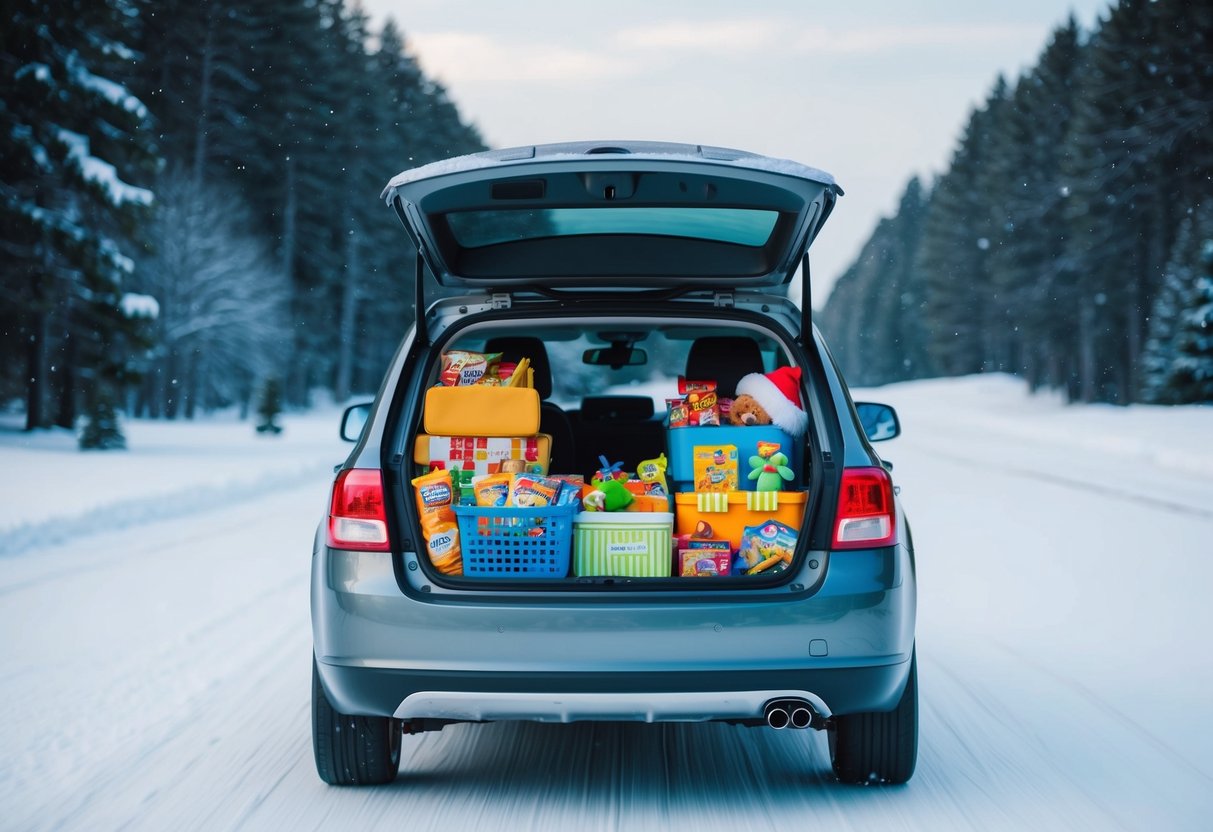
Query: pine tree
point(1191, 374)
point(74, 143)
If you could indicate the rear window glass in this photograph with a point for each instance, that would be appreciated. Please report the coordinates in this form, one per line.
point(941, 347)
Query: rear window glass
point(739, 226)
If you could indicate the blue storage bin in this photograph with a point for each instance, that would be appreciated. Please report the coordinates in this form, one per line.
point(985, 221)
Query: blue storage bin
point(682, 441)
point(516, 542)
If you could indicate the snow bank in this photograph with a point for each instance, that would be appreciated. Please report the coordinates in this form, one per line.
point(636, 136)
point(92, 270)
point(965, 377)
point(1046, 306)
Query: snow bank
point(170, 469)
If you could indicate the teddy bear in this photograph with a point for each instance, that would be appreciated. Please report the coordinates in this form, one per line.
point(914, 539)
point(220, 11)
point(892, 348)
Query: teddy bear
point(747, 411)
point(771, 399)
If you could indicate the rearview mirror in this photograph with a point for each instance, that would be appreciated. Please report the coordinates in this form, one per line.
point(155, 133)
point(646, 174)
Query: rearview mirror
point(354, 420)
point(879, 421)
point(616, 357)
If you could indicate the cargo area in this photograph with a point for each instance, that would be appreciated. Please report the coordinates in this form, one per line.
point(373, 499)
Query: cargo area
point(646, 450)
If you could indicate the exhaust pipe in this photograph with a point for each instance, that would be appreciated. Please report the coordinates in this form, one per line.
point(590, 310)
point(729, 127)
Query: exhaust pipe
point(777, 716)
point(794, 713)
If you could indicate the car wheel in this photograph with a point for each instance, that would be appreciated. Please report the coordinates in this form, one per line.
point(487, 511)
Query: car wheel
point(352, 750)
point(878, 747)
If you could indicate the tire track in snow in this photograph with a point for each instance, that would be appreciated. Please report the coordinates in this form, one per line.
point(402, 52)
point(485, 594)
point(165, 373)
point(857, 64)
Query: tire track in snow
point(1122, 494)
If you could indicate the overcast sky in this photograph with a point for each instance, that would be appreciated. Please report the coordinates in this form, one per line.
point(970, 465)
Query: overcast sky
point(873, 92)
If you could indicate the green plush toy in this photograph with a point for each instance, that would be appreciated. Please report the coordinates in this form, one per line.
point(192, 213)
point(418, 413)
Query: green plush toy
point(770, 471)
point(611, 495)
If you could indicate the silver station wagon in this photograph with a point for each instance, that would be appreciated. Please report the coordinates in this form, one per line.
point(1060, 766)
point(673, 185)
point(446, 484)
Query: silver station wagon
point(613, 472)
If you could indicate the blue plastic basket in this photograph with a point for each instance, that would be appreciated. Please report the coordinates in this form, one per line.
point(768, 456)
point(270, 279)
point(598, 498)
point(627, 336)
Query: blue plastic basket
point(516, 542)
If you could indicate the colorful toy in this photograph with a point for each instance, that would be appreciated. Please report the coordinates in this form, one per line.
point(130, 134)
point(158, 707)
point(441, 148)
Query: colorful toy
point(653, 471)
point(609, 471)
point(609, 495)
point(775, 397)
point(770, 471)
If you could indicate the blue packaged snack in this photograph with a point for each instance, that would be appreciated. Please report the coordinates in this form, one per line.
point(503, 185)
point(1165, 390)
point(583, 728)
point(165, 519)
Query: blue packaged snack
point(765, 548)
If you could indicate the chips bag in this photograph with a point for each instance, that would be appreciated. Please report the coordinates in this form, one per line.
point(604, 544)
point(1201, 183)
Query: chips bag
point(435, 494)
point(460, 367)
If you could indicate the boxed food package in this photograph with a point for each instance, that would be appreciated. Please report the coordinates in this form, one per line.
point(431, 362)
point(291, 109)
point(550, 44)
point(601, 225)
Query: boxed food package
point(716, 468)
point(681, 442)
point(728, 515)
point(633, 543)
point(485, 454)
point(704, 558)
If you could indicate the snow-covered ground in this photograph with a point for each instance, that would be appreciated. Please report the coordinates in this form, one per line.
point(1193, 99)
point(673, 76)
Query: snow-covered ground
point(155, 650)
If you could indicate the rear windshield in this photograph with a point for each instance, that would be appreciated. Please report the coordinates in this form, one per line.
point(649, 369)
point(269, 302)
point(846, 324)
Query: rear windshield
point(738, 226)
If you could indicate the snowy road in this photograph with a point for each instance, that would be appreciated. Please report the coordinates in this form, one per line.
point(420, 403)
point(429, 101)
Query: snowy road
point(157, 675)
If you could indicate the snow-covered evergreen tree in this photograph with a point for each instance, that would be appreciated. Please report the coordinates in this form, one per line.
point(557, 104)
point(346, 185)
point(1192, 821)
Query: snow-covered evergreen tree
point(75, 143)
point(1191, 376)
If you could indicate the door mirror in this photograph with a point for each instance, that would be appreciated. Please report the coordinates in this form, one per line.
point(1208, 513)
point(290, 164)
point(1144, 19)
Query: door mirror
point(354, 420)
point(879, 421)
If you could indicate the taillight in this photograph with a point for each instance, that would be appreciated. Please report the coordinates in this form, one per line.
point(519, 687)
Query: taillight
point(866, 516)
point(357, 519)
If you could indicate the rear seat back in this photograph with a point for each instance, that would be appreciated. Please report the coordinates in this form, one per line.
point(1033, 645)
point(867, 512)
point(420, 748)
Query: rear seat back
point(619, 428)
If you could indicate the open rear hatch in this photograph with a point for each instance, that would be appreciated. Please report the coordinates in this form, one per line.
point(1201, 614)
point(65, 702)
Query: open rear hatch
point(592, 216)
point(619, 220)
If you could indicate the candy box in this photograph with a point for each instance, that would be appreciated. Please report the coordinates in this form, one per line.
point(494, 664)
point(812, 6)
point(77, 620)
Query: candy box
point(704, 558)
point(485, 454)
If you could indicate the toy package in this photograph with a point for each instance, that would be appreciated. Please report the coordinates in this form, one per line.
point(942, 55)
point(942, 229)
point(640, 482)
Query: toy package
point(766, 548)
point(435, 494)
point(716, 468)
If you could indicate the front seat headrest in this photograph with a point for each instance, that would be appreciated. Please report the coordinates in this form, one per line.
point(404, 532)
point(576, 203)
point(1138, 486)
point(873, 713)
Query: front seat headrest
point(725, 359)
point(513, 348)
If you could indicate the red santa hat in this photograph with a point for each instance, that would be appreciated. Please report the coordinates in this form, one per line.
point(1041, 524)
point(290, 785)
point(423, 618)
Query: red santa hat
point(779, 394)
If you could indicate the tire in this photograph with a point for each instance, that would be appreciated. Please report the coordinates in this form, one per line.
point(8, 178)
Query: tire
point(878, 747)
point(352, 750)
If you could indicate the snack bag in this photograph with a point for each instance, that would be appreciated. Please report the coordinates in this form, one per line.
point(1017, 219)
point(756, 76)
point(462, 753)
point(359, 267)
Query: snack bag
point(435, 494)
point(492, 490)
point(702, 404)
point(716, 467)
point(765, 548)
point(680, 416)
point(460, 367)
point(533, 491)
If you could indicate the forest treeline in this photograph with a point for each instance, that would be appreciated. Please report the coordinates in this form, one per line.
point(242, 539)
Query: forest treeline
point(1070, 239)
point(190, 203)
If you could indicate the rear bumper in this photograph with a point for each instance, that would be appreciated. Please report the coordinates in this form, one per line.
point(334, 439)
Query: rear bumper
point(845, 646)
point(571, 697)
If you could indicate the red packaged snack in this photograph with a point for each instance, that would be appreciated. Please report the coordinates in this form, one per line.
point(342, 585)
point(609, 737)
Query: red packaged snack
point(702, 404)
point(460, 367)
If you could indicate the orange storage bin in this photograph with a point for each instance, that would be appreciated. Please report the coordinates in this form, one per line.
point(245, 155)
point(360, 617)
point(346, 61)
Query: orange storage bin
point(729, 514)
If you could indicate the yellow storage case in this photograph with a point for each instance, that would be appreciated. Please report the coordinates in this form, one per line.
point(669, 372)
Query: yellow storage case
point(481, 410)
